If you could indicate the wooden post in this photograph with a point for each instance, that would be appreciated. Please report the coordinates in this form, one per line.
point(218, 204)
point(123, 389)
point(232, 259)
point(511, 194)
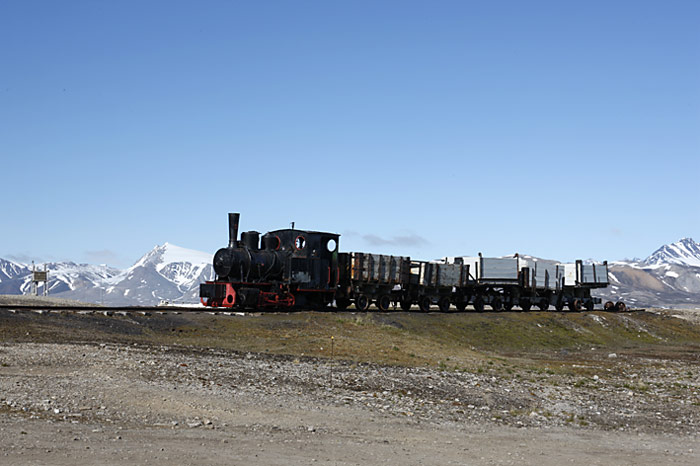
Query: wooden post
point(332, 354)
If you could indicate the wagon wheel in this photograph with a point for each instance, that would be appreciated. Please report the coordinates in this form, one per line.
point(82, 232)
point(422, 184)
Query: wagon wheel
point(559, 306)
point(620, 306)
point(406, 304)
point(508, 305)
point(384, 302)
point(362, 303)
point(461, 306)
point(496, 304)
point(342, 303)
point(589, 305)
point(424, 303)
point(444, 304)
point(575, 305)
point(525, 304)
point(479, 304)
point(609, 305)
point(543, 305)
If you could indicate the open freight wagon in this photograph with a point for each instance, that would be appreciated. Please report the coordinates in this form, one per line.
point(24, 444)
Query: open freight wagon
point(501, 283)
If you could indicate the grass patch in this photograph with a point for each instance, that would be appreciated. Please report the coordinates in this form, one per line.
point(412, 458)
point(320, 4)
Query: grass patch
point(531, 345)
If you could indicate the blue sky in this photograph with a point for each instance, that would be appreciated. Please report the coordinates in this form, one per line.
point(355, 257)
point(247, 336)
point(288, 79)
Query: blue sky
point(559, 129)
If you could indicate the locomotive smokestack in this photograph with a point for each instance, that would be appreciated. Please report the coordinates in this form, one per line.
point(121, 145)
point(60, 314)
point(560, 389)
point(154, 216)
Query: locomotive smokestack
point(233, 229)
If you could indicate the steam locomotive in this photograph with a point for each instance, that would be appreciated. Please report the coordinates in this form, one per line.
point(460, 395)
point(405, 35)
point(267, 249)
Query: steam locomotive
point(292, 268)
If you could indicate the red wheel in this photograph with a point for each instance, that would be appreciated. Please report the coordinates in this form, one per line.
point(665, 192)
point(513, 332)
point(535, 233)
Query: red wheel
point(575, 305)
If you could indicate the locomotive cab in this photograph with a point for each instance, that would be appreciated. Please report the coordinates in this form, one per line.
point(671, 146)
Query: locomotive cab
point(313, 257)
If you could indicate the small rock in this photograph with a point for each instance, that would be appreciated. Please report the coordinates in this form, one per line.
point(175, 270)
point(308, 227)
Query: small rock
point(612, 355)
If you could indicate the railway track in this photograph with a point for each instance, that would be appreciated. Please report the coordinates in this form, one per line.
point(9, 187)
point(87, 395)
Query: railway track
point(102, 309)
point(147, 310)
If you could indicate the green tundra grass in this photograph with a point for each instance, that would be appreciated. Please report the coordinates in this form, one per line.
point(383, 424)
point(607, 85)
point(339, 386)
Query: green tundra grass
point(451, 341)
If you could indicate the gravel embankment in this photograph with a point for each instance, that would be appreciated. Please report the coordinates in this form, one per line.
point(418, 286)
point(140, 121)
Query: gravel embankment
point(99, 383)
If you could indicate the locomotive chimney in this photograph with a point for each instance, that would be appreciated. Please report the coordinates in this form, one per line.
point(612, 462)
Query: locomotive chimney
point(233, 230)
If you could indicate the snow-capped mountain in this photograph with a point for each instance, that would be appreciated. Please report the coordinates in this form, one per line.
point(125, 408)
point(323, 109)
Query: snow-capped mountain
point(167, 272)
point(10, 271)
point(685, 252)
point(670, 276)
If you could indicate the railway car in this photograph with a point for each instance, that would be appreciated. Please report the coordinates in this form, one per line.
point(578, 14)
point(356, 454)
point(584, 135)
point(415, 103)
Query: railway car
point(293, 268)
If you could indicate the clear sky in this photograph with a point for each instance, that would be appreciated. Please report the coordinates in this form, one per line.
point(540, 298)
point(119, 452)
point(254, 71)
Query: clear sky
point(431, 128)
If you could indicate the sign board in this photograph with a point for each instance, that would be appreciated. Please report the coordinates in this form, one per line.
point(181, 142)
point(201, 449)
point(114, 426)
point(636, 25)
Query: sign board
point(39, 276)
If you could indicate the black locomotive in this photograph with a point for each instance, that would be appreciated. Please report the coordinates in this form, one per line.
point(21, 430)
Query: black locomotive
point(286, 268)
point(303, 269)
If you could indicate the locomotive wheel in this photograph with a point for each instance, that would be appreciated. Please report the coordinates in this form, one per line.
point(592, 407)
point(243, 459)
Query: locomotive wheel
point(525, 305)
point(444, 304)
point(406, 304)
point(589, 305)
point(384, 302)
point(609, 305)
point(479, 304)
point(543, 305)
point(496, 304)
point(620, 306)
point(575, 305)
point(362, 303)
point(424, 303)
point(461, 306)
point(342, 303)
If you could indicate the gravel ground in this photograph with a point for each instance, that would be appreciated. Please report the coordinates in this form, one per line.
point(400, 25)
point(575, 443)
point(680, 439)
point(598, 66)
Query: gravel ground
point(114, 403)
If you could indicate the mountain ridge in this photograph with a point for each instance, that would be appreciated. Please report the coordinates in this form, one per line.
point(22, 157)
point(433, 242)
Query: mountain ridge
point(166, 272)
